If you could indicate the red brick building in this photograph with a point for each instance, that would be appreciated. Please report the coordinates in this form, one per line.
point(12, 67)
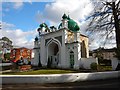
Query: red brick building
point(18, 53)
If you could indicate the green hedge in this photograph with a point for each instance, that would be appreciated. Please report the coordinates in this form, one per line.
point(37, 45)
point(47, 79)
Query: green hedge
point(93, 66)
point(6, 67)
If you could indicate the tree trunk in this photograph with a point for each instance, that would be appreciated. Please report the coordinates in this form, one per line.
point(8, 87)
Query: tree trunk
point(117, 29)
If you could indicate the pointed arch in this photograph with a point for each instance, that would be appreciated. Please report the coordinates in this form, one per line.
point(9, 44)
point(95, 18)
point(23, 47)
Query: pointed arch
point(53, 48)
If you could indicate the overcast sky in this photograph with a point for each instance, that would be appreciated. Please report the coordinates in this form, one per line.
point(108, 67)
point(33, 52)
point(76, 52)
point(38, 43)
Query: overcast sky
point(21, 19)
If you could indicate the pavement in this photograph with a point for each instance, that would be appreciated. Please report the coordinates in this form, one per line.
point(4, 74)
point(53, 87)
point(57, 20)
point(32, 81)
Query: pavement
point(107, 83)
point(5, 71)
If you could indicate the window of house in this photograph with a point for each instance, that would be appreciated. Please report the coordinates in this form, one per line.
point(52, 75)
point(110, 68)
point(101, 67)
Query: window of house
point(14, 52)
point(28, 51)
point(13, 57)
point(21, 51)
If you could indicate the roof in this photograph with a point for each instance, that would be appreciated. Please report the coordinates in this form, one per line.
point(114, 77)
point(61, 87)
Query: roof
point(83, 35)
point(20, 48)
point(73, 42)
point(105, 50)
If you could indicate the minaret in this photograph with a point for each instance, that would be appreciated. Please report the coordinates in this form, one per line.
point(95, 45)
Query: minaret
point(43, 28)
point(36, 43)
point(64, 21)
point(36, 52)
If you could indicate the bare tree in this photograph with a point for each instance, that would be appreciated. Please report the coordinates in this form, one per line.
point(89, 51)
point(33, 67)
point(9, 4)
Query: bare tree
point(105, 19)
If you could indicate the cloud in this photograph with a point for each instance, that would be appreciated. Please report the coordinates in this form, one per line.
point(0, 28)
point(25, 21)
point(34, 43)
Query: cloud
point(75, 8)
point(94, 45)
point(18, 37)
point(0, 11)
point(7, 25)
point(28, 1)
point(39, 17)
point(0, 6)
point(7, 6)
point(99, 40)
point(18, 5)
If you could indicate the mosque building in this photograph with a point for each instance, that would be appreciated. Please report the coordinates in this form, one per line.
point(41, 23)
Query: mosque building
point(62, 47)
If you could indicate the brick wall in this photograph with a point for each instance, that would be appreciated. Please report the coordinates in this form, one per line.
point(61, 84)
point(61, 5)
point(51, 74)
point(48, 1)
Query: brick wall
point(17, 53)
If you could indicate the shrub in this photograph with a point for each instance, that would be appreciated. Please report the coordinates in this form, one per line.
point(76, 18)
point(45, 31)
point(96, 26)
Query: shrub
point(93, 66)
point(6, 67)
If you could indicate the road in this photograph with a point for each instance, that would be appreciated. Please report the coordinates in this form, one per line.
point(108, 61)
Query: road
point(111, 83)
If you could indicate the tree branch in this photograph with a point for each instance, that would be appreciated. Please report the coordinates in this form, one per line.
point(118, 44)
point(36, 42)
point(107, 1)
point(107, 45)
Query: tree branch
point(117, 5)
point(105, 24)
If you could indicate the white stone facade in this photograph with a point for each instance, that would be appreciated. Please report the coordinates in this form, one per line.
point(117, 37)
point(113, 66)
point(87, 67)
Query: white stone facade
point(52, 45)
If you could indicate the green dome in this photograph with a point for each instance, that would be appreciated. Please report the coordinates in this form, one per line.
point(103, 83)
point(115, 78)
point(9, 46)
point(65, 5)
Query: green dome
point(64, 16)
point(77, 28)
point(73, 26)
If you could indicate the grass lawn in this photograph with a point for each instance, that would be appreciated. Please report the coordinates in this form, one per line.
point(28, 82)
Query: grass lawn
point(104, 68)
point(38, 72)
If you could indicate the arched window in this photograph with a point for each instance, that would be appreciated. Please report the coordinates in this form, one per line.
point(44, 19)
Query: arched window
point(71, 59)
point(83, 50)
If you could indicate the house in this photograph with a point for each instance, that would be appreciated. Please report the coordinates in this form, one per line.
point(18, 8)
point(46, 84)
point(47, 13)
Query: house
point(22, 52)
point(104, 53)
point(63, 47)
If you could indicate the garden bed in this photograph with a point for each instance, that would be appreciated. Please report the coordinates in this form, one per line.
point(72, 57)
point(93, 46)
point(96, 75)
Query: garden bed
point(24, 67)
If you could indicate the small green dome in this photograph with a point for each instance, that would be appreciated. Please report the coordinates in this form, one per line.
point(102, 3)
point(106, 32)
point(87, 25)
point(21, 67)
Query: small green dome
point(38, 29)
point(42, 25)
point(60, 26)
point(36, 39)
point(64, 16)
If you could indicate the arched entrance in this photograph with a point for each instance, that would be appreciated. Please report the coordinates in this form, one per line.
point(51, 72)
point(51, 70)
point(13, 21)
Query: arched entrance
point(53, 54)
